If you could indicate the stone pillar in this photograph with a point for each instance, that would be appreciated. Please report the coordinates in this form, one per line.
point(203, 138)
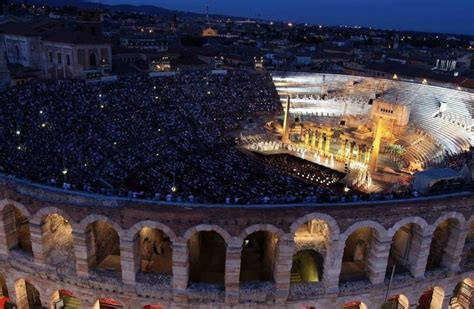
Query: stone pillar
point(232, 271)
point(438, 299)
point(180, 271)
point(80, 250)
point(418, 255)
point(332, 267)
point(453, 251)
point(128, 261)
point(37, 243)
point(281, 272)
point(378, 258)
point(4, 248)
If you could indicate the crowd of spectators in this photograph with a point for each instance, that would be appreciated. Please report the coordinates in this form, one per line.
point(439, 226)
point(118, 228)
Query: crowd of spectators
point(457, 161)
point(161, 138)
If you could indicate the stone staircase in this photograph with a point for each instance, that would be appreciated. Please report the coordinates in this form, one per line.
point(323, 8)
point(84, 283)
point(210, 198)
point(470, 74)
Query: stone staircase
point(295, 277)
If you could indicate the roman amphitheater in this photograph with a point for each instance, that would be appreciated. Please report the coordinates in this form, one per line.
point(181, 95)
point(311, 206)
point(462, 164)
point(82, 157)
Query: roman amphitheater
point(71, 238)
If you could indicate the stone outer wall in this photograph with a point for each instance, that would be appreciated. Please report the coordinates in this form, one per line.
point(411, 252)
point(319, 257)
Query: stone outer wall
point(234, 223)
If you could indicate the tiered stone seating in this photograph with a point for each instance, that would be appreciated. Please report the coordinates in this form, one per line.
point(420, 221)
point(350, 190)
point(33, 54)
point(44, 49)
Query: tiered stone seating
point(450, 127)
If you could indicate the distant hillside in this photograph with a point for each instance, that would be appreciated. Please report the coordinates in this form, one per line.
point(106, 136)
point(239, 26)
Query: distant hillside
point(148, 9)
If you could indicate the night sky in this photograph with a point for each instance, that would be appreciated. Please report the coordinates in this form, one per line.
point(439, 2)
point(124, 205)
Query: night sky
point(450, 16)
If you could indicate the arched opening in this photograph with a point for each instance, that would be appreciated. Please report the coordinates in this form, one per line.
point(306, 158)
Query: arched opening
point(17, 229)
point(355, 305)
point(314, 239)
point(154, 248)
point(467, 260)
point(401, 254)
point(207, 250)
point(356, 252)
point(307, 266)
point(27, 296)
point(439, 241)
point(64, 299)
point(58, 243)
point(107, 303)
point(258, 257)
point(463, 296)
point(431, 299)
point(396, 302)
point(103, 247)
point(92, 60)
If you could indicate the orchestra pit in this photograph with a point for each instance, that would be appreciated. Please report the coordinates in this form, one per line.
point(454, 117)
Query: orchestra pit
point(240, 189)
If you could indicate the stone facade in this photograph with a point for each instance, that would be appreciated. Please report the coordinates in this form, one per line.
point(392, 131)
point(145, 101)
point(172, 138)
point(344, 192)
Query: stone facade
point(332, 227)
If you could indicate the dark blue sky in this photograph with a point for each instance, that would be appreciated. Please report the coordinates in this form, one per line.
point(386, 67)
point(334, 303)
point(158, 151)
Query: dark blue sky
point(452, 16)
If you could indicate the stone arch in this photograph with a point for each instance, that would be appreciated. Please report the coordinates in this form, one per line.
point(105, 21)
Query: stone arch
point(15, 221)
point(27, 295)
point(260, 227)
point(415, 220)
point(207, 250)
point(377, 227)
point(259, 250)
point(137, 227)
point(93, 217)
point(318, 232)
point(356, 245)
point(43, 212)
point(208, 228)
point(445, 235)
point(405, 239)
point(461, 221)
point(57, 241)
point(103, 238)
point(19, 206)
point(330, 221)
point(152, 250)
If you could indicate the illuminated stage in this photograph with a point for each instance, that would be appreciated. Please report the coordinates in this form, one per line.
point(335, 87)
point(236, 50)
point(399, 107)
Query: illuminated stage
point(379, 132)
